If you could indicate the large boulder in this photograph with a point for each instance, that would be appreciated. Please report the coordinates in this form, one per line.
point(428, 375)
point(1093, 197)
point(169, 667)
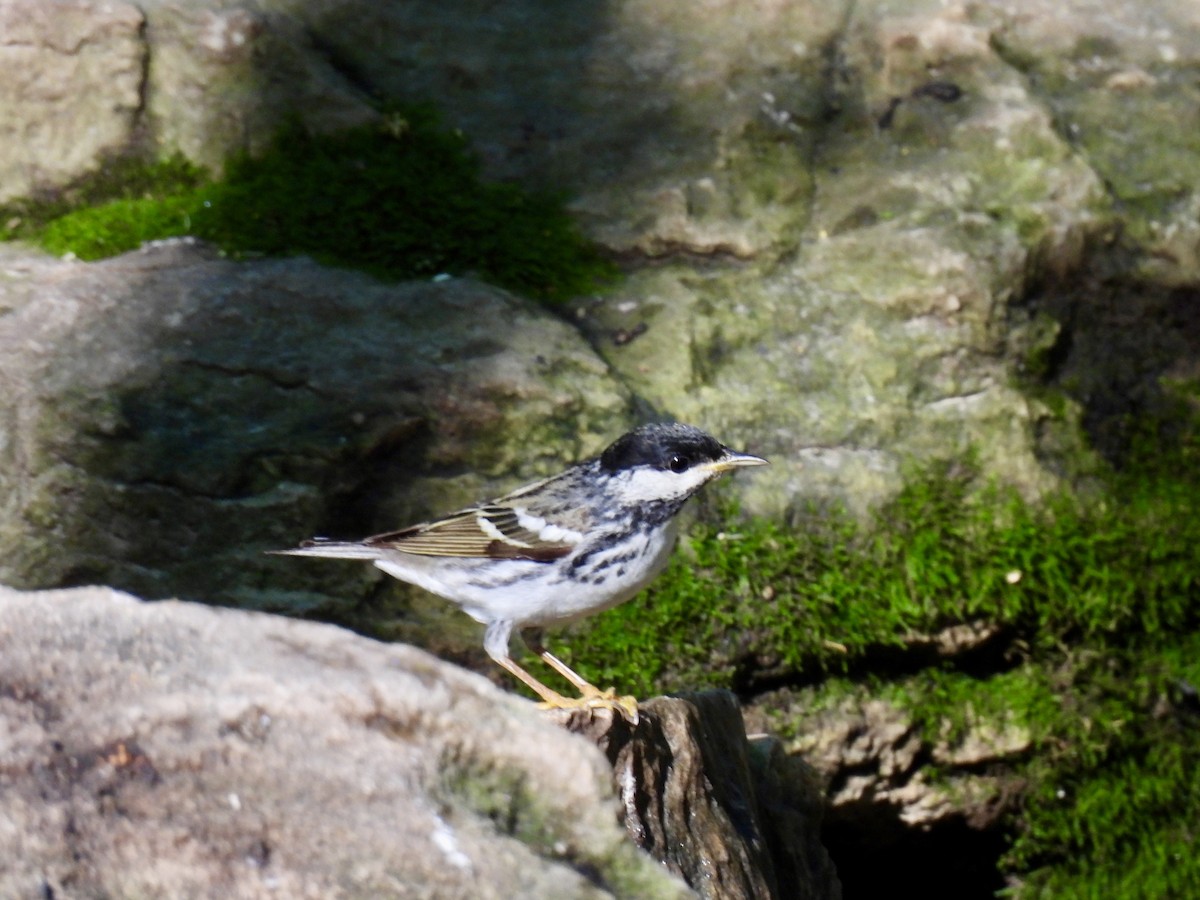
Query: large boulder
point(168, 415)
point(174, 750)
point(888, 331)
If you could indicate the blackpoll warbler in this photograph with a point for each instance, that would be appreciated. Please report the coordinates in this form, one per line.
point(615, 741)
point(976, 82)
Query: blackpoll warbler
point(557, 550)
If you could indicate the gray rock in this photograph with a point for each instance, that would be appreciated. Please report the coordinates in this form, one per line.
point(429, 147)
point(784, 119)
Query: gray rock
point(651, 116)
point(225, 76)
point(1115, 77)
point(841, 202)
point(167, 416)
point(868, 754)
point(674, 134)
point(887, 334)
point(648, 116)
point(88, 81)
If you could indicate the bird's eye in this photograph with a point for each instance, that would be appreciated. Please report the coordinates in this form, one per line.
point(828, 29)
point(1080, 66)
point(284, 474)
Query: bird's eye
point(678, 464)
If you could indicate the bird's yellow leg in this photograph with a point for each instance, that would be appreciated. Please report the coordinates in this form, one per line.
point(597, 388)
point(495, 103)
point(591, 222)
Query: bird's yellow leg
point(551, 698)
point(591, 694)
point(495, 642)
point(584, 687)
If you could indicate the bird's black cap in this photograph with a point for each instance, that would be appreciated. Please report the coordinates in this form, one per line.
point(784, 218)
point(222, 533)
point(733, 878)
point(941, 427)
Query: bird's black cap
point(657, 445)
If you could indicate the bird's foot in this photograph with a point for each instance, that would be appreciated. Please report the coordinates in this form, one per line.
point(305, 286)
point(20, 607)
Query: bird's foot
point(598, 699)
point(627, 706)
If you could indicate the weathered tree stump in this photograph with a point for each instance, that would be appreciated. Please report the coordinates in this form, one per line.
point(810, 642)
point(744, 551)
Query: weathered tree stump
point(735, 817)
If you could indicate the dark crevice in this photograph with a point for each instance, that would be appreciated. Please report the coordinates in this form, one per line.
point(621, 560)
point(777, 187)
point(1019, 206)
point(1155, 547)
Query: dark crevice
point(1120, 342)
point(992, 655)
point(875, 851)
point(282, 380)
point(139, 114)
point(343, 67)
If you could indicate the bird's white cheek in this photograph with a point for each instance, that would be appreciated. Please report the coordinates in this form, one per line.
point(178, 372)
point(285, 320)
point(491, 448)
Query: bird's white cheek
point(645, 485)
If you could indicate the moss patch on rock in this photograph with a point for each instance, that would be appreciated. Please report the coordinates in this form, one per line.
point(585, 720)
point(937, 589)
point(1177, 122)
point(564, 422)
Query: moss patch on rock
point(402, 199)
point(505, 797)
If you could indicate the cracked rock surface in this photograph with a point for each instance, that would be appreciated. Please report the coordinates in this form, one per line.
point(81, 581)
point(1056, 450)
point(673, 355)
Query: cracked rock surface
point(72, 89)
point(870, 756)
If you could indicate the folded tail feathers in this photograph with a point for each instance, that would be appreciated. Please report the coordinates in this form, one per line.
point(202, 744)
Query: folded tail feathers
point(332, 550)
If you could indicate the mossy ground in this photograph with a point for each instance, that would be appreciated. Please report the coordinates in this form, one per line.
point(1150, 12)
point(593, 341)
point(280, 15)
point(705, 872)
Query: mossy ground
point(1097, 602)
point(402, 199)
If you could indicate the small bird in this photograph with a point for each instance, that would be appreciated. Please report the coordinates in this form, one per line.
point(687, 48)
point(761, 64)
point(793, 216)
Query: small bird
point(557, 550)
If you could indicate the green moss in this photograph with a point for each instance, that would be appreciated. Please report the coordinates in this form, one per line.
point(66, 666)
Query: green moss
point(946, 704)
point(125, 202)
point(503, 796)
point(1109, 799)
point(117, 226)
point(400, 200)
point(1113, 803)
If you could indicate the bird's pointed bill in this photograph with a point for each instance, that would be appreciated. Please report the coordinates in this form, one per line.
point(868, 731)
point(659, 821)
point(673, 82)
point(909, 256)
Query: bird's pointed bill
point(733, 460)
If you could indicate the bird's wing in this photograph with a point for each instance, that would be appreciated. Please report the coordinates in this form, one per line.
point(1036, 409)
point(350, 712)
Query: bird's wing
point(515, 527)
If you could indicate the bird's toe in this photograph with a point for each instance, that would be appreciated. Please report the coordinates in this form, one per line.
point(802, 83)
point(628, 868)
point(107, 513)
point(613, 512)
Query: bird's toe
point(627, 707)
